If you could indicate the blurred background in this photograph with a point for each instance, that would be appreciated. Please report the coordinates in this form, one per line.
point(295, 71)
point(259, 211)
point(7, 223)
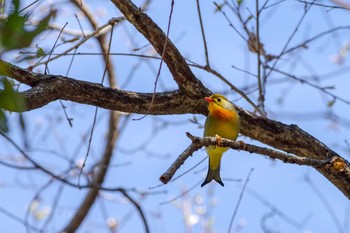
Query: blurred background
point(308, 85)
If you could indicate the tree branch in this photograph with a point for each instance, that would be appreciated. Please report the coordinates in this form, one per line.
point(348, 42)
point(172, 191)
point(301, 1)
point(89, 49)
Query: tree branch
point(49, 88)
point(198, 143)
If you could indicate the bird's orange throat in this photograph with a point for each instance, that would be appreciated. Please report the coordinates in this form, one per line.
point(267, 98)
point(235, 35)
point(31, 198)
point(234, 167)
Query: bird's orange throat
point(221, 113)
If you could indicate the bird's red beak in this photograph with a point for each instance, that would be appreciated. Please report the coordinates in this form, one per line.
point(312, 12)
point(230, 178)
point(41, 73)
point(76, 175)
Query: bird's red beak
point(208, 99)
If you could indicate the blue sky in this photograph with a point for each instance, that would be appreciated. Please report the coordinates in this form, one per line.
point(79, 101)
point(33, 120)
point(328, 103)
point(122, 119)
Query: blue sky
point(281, 185)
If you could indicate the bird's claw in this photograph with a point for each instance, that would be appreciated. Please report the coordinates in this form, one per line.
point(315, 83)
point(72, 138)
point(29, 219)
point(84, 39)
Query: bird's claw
point(218, 139)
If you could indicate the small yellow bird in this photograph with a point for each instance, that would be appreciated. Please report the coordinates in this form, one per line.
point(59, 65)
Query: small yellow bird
point(222, 121)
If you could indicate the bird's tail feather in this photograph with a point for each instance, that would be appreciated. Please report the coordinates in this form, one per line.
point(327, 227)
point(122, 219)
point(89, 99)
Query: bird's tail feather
point(213, 175)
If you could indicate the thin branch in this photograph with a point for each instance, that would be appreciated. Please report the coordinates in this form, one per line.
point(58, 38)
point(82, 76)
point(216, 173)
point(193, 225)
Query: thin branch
point(228, 83)
point(96, 109)
point(182, 194)
point(239, 200)
point(305, 43)
point(324, 200)
point(111, 22)
point(219, 8)
point(101, 38)
point(274, 209)
point(261, 80)
point(161, 60)
point(342, 5)
point(54, 207)
point(306, 10)
point(98, 54)
point(303, 81)
point(138, 208)
point(198, 143)
point(206, 53)
point(17, 219)
point(53, 47)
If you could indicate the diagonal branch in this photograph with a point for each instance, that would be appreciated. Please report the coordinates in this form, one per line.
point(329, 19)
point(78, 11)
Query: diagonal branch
point(180, 71)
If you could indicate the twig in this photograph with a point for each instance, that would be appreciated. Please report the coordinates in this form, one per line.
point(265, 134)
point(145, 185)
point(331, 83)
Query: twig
point(305, 43)
point(233, 87)
point(53, 47)
point(219, 8)
point(239, 200)
point(98, 54)
point(17, 219)
point(325, 202)
point(306, 10)
point(81, 28)
point(29, 5)
point(138, 208)
point(61, 102)
point(179, 69)
point(111, 22)
point(274, 209)
point(203, 34)
point(96, 109)
point(161, 60)
point(303, 81)
point(343, 5)
point(261, 80)
point(54, 208)
point(182, 194)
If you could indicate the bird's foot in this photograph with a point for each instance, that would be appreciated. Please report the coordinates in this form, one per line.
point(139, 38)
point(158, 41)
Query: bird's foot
point(218, 139)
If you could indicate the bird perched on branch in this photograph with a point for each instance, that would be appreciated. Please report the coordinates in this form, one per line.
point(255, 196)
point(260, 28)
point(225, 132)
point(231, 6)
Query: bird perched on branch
point(222, 121)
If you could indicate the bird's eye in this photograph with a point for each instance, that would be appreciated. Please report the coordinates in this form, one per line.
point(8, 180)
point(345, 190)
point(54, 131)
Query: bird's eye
point(218, 99)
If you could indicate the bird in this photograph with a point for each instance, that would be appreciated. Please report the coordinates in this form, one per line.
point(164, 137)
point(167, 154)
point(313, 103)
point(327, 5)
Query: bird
point(222, 122)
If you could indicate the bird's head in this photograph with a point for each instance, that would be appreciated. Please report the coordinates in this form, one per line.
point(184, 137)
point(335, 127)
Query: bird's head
point(220, 107)
point(219, 101)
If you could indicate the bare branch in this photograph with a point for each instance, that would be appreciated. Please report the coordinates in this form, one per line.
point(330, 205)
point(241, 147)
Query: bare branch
point(198, 143)
point(228, 83)
point(239, 200)
point(138, 208)
point(111, 22)
point(206, 53)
